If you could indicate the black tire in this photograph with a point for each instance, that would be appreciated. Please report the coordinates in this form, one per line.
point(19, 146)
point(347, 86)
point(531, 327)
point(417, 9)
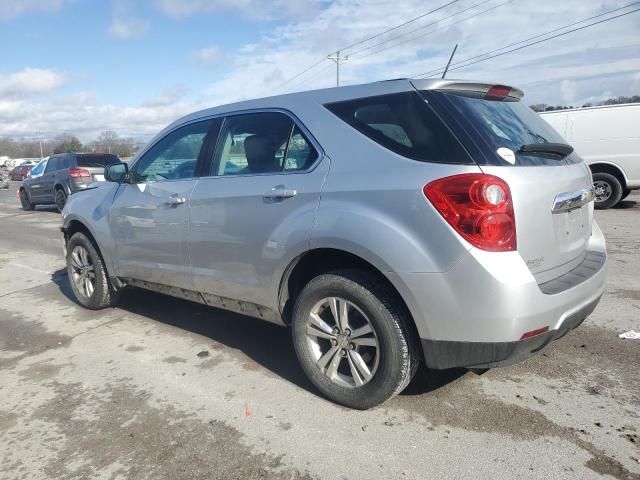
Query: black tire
point(608, 190)
point(625, 194)
point(60, 199)
point(25, 201)
point(398, 347)
point(103, 294)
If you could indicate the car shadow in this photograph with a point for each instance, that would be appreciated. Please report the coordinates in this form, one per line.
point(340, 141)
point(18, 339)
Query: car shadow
point(257, 341)
point(624, 204)
point(246, 338)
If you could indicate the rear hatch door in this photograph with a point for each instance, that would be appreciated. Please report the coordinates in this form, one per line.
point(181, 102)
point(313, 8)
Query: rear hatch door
point(550, 184)
point(96, 163)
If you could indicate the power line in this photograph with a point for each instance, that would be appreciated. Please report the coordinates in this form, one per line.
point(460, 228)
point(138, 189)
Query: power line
point(300, 74)
point(310, 80)
point(423, 75)
point(417, 29)
point(437, 70)
point(436, 30)
point(360, 42)
point(398, 26)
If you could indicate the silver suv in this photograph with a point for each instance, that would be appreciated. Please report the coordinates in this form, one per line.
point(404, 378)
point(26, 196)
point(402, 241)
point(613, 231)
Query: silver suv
point(386, 224)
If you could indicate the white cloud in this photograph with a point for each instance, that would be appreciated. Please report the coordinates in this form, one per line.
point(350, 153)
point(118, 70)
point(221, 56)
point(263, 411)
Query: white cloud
point(585, 66)
point(125, 28)
point(255, 9)
point(29, 81)
point(205, 56)
point(13, 8)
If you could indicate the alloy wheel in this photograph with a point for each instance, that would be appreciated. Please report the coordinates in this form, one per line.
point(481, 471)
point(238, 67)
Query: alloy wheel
point(83, 272)
point(342, 342)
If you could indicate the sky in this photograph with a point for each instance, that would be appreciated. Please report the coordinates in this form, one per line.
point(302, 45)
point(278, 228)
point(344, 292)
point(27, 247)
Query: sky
point(133, 66)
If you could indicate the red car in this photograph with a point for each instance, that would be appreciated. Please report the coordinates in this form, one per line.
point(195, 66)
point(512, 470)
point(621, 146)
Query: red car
point(20, 172)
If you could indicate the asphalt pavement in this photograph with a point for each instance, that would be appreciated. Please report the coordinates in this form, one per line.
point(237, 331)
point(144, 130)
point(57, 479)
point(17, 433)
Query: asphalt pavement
point(161, 388)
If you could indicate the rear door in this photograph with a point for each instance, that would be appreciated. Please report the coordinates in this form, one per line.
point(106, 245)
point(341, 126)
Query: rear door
point(494, 128)
point(255, 210)
point(149, 217)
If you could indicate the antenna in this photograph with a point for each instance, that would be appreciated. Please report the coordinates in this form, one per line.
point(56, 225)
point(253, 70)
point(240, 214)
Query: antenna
point(446, 69)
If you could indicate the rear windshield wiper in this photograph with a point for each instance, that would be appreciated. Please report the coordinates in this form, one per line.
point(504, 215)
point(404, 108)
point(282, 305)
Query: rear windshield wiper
point(553, 148)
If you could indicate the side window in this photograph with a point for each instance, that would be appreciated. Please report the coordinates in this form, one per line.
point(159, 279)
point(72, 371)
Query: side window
point(405, 124)
point(52, 164)
point(266, 142)
point(65, 162)
point(175, 156)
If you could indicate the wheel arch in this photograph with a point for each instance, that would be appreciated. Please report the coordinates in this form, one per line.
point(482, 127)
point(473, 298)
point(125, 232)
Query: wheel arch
point(611, 169)
point(74, 226)
point(322, 260)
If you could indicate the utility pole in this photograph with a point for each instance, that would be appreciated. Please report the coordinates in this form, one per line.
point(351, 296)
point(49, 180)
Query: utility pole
point(338, 60)
point(446, 69)
point(40, 141)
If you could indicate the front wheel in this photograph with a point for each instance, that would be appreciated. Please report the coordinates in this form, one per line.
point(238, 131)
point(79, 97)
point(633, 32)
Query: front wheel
point(608, 190)
point(354, 339)
point(87, 274)
point(24, 200)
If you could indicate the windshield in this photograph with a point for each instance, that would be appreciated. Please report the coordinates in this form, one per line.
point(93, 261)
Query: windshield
point(97, 160)
point(502, 128)
point(38, 169)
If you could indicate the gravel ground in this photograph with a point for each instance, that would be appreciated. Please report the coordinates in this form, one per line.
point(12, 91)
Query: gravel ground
point(163, 388)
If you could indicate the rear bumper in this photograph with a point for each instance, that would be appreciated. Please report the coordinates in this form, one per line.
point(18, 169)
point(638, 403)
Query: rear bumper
point(445, 354)
point(475, 314)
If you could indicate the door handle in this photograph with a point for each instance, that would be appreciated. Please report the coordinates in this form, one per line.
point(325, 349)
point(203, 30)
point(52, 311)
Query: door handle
point(279, 193)
point(176, 200)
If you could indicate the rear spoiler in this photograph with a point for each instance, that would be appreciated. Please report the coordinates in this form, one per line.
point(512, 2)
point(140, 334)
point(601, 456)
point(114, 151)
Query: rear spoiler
point(491, 91)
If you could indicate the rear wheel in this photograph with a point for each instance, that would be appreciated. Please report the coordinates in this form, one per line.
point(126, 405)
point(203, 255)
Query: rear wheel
point(24, 200)
point(61, 199)
point(353, 338)
point(608, 190)
point(87, 274)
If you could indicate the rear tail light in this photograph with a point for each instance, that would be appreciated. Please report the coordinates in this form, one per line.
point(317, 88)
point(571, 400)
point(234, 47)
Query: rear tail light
point(79, 172)
point(478, 207)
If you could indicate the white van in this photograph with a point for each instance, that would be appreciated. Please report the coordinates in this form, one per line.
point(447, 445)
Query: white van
point(608, 138)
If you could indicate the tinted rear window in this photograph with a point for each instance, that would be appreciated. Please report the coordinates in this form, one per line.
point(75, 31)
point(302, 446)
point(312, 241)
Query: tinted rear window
point(405, 124)
point(495, 124)
point(97, 160)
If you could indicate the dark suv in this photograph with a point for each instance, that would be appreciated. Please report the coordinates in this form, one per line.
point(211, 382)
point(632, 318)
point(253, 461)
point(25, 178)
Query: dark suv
point(64, 174)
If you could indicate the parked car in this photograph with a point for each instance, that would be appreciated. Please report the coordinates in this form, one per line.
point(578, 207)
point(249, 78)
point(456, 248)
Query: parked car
point(20, 172)
point(608, 138)
point(4, 181)
point(384, 223)
point(61, 175)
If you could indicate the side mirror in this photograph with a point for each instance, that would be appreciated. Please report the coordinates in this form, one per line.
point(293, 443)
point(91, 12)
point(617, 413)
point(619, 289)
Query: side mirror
point(118, 173)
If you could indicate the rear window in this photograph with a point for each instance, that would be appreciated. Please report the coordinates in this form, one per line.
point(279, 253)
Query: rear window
point(97, 160)
point(405, 124)
point(496, 125)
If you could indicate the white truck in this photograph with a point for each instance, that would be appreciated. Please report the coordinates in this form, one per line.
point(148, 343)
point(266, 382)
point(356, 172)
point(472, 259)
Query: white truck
point(608, 138)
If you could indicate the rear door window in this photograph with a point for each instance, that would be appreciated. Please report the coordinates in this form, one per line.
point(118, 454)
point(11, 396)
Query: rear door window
point(500, 124)
point(405, 124)
point(265, 142)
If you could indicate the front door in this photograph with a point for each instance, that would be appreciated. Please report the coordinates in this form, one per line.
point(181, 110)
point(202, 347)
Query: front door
point(149, 216)
point(255, 210)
